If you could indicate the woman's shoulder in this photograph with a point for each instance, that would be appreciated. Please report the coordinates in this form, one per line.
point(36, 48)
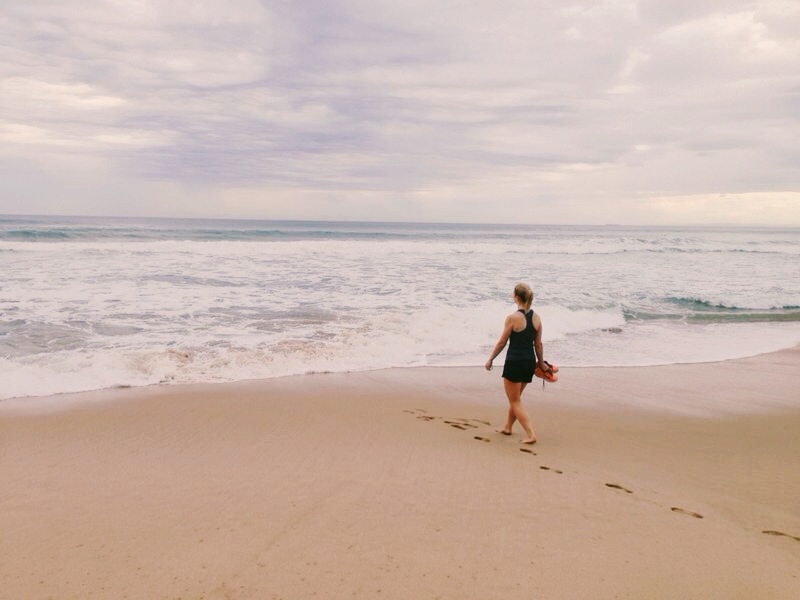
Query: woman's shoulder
point(516, 320)
point(514, 317)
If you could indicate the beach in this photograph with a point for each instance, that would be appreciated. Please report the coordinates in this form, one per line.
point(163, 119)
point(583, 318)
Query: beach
point(675, 481)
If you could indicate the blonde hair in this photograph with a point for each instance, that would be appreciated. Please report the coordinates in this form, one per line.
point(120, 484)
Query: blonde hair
point(525, 294)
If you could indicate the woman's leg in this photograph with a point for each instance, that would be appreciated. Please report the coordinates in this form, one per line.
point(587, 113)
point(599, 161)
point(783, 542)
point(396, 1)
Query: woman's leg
point(515, 410)
point(510, 420)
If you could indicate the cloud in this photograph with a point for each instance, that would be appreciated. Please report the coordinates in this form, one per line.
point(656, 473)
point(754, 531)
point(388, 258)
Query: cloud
point(764, 208)
point(401, 110)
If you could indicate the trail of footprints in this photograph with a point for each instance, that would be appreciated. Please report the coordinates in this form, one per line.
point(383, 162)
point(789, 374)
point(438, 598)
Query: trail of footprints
point(469, 424)
point(464, 424)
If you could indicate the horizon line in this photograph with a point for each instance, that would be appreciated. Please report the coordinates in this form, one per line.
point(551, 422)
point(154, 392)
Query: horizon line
point(391, 222)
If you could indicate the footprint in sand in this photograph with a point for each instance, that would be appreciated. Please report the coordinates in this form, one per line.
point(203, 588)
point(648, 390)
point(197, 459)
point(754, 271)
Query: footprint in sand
point(461, 425)
point(686, 512)
point(482, 439)
point(780, 533)
point(420, 414)
point(528, 450)
point(619, 487)
point(544, 468)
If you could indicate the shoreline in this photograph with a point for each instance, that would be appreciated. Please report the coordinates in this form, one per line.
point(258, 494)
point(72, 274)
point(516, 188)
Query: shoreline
point(395, 484)
point(76, 398)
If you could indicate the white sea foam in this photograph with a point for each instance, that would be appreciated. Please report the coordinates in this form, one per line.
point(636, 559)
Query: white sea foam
point(430, 337)
point(86, 314)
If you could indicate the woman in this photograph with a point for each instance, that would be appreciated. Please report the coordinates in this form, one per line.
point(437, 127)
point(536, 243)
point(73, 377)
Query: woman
point(524, 330)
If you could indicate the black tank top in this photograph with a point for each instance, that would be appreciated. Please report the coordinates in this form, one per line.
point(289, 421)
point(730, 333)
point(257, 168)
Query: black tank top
point(520, 343)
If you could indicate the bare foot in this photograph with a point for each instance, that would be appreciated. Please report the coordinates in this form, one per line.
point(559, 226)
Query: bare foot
point(530, 440)
point(503, 431)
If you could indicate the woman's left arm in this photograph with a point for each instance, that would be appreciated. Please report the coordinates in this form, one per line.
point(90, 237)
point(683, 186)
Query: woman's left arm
point(537, 343)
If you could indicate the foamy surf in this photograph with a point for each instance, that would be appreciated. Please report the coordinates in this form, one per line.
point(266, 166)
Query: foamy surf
point(90, 304)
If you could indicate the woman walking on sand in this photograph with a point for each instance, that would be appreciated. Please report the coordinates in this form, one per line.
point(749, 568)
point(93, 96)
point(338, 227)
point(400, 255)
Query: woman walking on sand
point(523, 329)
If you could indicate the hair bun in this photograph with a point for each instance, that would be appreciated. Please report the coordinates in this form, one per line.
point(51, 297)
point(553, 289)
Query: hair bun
point(524, 293)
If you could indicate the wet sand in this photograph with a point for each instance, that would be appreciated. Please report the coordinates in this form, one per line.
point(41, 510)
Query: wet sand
point(651, 482)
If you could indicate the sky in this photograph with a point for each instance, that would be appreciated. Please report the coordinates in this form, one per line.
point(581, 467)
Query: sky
point(521, 111)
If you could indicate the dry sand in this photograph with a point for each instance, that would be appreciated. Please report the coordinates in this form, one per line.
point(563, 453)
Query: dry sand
point(659, 482)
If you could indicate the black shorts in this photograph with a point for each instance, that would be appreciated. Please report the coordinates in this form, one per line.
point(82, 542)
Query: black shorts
point(519, 371)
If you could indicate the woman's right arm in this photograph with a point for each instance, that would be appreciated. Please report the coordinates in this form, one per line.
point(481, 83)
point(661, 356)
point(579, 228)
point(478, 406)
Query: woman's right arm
point(501, 342)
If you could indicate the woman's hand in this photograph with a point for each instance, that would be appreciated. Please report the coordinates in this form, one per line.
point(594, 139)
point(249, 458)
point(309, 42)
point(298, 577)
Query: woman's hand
point(488, 364)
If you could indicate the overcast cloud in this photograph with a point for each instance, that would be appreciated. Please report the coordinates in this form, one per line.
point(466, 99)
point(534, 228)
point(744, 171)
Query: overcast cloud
point(519, 111)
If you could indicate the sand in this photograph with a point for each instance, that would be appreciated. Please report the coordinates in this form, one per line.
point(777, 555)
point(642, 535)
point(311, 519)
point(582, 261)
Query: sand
point(680, 481)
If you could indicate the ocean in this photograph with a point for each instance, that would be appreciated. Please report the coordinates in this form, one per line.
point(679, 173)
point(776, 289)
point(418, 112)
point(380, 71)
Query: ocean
point(93, 303)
